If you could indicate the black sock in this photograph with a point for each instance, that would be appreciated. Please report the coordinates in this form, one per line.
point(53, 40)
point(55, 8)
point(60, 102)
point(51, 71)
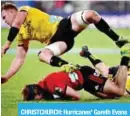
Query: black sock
point(105, 28)
point(57, 61)
point(125, 61)
point(93, 60)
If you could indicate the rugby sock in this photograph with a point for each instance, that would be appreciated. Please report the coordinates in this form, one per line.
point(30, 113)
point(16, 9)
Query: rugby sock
point(125, 61)
point(57, 61)
point(105, 28)
point(93, 60)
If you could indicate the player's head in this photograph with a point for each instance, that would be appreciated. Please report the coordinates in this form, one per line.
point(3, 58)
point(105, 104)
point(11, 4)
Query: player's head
point(35, 92)
point(8, 12)
point(32, 92)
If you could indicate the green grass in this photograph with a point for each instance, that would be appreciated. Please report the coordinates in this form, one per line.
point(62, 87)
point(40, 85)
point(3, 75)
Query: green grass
point(93, 38)
point(33, 70)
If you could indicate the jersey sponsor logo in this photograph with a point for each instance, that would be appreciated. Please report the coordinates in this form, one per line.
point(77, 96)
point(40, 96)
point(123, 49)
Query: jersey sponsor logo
point(73, 77)
point(54, 18)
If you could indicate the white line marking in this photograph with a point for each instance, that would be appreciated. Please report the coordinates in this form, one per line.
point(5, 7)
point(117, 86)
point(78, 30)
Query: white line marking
point(76, 50)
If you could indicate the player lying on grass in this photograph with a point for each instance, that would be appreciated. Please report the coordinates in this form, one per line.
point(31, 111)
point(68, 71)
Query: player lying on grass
point(65, 85)
point(110, 72)
point(28, 23)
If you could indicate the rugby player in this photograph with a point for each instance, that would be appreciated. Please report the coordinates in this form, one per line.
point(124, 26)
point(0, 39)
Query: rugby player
point(65, 85)
point(28, 23)
point(109, 72)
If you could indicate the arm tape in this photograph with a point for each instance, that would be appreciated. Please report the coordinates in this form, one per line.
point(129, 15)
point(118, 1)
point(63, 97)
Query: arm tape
point(12, 33)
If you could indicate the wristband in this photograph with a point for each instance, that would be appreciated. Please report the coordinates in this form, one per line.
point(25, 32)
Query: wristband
point(12, 33)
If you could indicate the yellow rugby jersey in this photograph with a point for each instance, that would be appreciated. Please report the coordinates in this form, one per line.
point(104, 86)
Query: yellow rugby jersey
point(38, 26)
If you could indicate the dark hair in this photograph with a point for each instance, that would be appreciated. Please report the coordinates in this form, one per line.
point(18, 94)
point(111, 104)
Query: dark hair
point(31, 90)
point(7, 5)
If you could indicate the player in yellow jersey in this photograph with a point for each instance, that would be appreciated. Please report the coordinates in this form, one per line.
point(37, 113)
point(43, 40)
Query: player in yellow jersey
point(58, 33)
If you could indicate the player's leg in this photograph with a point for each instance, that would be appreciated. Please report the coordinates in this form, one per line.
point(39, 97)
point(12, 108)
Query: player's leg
point(111, 89)
point(61, 42)
point(125, 52)
point(81, 19)
point(121, 77)
point(104, 70)
point(51, 52)
point(99, 85)
point(117, 88)
point(119, 84)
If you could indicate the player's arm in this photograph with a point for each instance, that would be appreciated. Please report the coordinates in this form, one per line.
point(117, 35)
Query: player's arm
point(104, 96)
point(72, 93)
point(14, 30)
point(16, 63)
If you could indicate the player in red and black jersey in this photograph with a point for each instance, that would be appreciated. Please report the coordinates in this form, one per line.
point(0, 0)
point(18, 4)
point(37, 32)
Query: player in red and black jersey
point(117, 74)
point(64, 85)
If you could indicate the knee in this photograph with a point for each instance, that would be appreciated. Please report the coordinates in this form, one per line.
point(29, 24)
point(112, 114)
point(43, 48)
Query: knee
point(45, 55)
point(91, 16)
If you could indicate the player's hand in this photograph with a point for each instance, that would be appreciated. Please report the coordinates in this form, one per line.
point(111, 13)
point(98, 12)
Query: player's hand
point(5, 48)
point(3, 51)
point(3, 80)
point(121, 42)
point(69, 67)
point(125, 50)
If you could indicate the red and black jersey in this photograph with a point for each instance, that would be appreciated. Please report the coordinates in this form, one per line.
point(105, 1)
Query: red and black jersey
point(86, 77)
point(58, 81)
point(93, 81)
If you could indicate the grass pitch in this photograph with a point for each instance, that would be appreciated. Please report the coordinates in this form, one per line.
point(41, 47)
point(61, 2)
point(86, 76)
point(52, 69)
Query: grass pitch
point(33, 70)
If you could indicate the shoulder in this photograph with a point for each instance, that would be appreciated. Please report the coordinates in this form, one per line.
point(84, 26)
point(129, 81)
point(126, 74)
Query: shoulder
point(55, 76)
point(24, 8)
